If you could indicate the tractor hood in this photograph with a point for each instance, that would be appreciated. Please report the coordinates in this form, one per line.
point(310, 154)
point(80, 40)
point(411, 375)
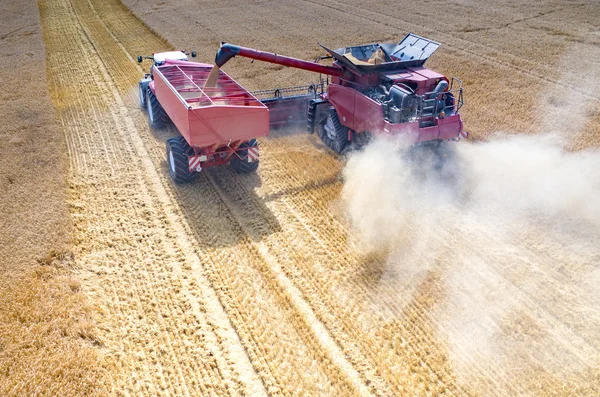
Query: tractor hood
point(412, 51)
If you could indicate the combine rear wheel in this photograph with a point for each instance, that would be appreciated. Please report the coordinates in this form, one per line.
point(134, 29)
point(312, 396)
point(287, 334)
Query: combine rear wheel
point(178, 151)
point(157, 117)
point(242, 165)
point(333, 133)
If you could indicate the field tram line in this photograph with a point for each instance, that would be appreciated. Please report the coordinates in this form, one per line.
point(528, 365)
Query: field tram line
point(81, 114)
point(252, 252)
point(283, 285)
point(237, 316)
point(310, 196)
point(345, 328)
point(78, 115)
point(348, 328)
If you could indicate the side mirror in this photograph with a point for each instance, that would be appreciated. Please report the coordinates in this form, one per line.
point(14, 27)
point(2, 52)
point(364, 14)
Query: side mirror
point(193, 54)
point(140, 59)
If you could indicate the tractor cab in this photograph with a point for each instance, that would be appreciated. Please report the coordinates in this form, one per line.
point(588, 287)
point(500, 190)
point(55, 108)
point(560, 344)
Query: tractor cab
point(160, 57)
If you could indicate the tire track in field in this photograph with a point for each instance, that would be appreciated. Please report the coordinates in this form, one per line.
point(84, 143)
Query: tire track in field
point(285, 382)
point(280, 251)
point(365, 367)
point(324, 191)
point(348, 313)
point(298, 304)
point(157, 328)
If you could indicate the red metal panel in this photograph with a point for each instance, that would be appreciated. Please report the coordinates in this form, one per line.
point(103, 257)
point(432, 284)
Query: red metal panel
point(427, 73)
point(368, 115)
point(209, 116)
point(175, 108)
point(220, 124)
point(450, 127)
point(342, 99)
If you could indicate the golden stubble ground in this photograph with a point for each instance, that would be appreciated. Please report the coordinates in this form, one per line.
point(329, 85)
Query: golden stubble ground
point(253, 285)
point(47, 337)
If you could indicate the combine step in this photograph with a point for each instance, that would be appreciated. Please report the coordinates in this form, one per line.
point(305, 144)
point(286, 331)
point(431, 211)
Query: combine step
point(313, 111)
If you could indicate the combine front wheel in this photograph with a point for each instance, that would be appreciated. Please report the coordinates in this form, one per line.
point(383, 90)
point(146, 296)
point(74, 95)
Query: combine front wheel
point(333, 133)
point(178, 151)
point(239, 161)
point(157, 117)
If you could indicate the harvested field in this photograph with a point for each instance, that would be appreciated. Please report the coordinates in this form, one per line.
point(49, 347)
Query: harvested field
point(47, 335)
point(323, 275)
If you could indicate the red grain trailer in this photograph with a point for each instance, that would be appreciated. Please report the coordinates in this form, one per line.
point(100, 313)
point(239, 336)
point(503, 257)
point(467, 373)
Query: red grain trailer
point(218, 123)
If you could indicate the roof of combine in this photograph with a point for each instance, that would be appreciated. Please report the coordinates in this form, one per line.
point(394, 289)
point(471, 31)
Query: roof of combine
point(412, 51)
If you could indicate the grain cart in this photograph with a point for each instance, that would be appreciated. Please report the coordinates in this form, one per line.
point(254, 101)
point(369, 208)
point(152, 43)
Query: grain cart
point(218, 123)
point(376, 89)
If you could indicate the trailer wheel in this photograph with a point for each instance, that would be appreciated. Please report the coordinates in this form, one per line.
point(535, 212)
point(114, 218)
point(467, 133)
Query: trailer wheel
point(244, 166)
point(142, 94)
point(333, 133)
point(178, 151)
point(157, 117)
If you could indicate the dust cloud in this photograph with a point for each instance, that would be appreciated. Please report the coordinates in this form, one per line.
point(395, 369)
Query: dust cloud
point(511, 227)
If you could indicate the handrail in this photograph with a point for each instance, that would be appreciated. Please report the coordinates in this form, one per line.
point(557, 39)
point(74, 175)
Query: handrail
point(177, 94)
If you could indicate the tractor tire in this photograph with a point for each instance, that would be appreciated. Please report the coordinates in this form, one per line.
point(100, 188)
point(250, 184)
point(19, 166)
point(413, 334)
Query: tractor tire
point(178, 151)
point(333, 133)
point(157, 117)
point(243, 166)
point(142, 94)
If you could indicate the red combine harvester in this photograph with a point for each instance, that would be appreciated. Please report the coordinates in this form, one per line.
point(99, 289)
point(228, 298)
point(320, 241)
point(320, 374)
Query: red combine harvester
point(375, 89)
point(218, 124)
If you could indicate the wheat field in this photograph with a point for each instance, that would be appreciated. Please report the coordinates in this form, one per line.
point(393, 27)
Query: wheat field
point(321, 274)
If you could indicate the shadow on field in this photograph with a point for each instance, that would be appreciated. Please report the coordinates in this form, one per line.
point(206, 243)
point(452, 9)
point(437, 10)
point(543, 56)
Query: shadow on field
point(223, 208)
point(302, 188)
point(298, 128)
